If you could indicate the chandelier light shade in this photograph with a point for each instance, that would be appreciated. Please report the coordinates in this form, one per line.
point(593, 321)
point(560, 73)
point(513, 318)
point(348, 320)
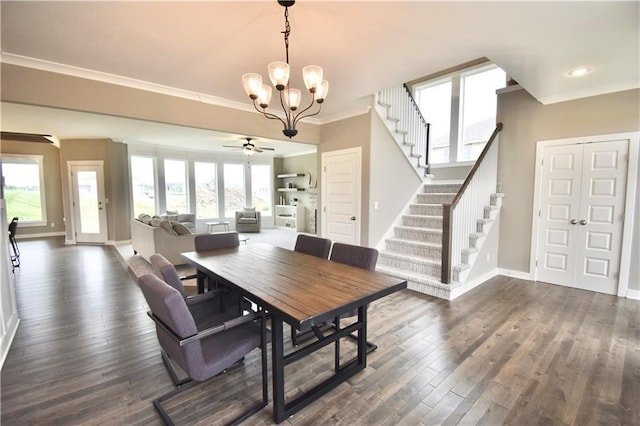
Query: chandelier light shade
point(290, 98)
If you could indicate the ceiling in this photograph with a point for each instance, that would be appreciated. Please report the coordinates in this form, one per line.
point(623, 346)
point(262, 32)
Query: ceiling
point(204, 47)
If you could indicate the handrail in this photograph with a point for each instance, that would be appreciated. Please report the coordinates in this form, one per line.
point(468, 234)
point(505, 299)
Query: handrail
point(447, 210)
point(424, 123)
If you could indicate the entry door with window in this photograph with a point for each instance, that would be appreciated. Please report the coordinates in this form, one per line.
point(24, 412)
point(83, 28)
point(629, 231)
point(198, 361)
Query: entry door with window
point(341, 195)
point(89, 203)
point(581, 215)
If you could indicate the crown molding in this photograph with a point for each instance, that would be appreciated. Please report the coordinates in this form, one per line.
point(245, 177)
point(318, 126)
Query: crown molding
point(39, 64)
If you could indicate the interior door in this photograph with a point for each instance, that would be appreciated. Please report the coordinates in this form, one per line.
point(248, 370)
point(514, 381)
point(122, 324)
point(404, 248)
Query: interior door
point(341, 196)
point(89, 203)
point(583, 189)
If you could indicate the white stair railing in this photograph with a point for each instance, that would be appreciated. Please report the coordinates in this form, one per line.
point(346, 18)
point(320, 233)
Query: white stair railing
point(460, 218)
point(410, 125)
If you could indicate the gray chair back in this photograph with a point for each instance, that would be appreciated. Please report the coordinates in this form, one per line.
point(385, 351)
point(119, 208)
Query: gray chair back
point(168, 305)
point(315, 246)
point(361, 257)
point(221, 240)
point(166, 272)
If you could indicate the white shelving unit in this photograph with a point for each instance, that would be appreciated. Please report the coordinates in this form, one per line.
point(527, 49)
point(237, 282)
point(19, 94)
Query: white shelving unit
point(291, 217)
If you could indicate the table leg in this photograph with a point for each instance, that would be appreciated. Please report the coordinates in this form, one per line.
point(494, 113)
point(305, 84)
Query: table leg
point(277, 359)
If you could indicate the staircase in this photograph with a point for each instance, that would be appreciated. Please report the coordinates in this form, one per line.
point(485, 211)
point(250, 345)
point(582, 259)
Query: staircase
point(414, 252)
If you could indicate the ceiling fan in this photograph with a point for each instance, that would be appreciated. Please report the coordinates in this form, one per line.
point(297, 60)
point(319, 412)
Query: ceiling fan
point(249, 148)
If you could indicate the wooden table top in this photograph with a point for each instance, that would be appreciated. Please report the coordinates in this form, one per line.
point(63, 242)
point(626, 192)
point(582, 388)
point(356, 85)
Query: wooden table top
point(303, 290)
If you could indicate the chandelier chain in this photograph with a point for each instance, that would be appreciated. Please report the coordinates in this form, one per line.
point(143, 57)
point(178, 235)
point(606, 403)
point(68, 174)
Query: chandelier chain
point(286, 32)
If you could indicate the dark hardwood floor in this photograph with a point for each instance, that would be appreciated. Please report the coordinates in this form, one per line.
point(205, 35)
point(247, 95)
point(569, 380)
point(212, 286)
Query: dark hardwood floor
point(509, 352)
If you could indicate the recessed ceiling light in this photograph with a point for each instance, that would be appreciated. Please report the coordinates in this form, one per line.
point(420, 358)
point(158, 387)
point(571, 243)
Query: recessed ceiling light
point(579, 72)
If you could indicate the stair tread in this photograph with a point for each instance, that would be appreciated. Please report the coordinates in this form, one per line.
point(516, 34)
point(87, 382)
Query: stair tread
point(410, 275)
point(418, 228)
point(416, 243)
point(412, 258)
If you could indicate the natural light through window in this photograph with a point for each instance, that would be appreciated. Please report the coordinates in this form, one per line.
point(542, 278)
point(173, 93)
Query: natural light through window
point(143, 185)
point(24, 188)
point(234, 193)
point(261, 188)
point(175, 182)
point(206, 190)
point(461, 109)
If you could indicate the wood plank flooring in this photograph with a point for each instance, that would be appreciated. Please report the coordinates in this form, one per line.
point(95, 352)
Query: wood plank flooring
point(509, 352)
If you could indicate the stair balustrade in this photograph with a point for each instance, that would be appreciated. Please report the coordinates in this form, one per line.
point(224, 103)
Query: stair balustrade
point(460, 218)
point(409, 122)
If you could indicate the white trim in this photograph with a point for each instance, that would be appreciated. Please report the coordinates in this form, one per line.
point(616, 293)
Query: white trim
point(631, 189)
point(515, 274)
point(39, 161)
point(470, 285)
point(633, 294)
point(39, 235)
point(579, 94)
point(7, 338)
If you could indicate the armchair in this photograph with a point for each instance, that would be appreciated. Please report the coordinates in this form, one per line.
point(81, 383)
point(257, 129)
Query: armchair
point(202, 354)
point(248, 220)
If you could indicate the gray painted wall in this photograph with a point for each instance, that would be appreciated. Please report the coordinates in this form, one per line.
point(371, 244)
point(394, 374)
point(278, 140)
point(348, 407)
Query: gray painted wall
point(526, 121)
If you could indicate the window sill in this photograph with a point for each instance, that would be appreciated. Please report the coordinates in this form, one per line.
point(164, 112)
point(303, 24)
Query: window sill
point(448, 165)
point(31, 224)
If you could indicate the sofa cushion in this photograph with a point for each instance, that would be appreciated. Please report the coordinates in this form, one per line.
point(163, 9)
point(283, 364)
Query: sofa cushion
point(171, 212)
point(247, 220)
point(167, 226)
point(180, 229)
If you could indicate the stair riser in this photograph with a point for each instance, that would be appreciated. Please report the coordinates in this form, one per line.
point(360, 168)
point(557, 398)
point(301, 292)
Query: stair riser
point(435, 198)
point(429, 189)
point(422, 222)
point(426, 209)
point(404, 248)
point(430, 270)
point(418, 235)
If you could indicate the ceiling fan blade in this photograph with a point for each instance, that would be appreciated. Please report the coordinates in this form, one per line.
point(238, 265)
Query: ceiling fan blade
point(267, 149)
point(256, 149)
point(231, 146)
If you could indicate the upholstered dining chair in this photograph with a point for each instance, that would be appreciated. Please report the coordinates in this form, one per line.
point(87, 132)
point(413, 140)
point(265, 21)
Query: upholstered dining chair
point(201, 354)
point(314, 246)
point(205, 242)
point(360, 257)
point(204, 306)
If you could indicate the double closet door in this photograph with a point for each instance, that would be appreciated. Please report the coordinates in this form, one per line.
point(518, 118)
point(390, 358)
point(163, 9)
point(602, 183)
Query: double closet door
point(581, 214)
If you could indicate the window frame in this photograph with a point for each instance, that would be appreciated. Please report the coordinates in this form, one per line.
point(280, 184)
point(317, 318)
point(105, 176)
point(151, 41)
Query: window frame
point(457, 109)
point(30, 159)
point(154, 165)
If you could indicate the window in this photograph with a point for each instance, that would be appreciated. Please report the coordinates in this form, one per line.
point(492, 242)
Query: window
point(175, 184)
point(143, 186)
point(24, 188)
point(234, 198)
point(261, 188)
point(206, 190)
point(462, 111)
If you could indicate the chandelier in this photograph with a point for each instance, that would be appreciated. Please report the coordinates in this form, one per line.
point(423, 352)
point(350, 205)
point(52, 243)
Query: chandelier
point(290, 98)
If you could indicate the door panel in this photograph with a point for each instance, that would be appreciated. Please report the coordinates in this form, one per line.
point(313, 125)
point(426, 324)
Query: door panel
point(89, 209)
point(582, 215)
point(341, 196)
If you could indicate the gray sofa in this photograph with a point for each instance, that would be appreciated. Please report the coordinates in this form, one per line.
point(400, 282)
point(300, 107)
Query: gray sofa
point(186, 219)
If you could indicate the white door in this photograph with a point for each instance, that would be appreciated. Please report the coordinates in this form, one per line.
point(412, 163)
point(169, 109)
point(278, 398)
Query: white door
point(583, 190)
point(89, 203)
point(341, 172)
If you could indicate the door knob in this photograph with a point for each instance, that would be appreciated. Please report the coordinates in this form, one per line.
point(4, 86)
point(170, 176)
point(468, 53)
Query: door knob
point(573, 221)
point(353, 218)
point(583, 222)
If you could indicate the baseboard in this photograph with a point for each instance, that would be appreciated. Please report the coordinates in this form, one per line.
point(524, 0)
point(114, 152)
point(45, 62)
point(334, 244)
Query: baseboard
point(515, 274)
point(470, 285)
point(633, 294)
point(39, 235)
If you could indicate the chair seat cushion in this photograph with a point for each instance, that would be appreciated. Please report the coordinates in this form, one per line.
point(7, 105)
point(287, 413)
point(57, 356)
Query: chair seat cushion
point(247, 220)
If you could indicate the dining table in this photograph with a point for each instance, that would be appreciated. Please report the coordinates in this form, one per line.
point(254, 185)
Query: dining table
point(306, 292)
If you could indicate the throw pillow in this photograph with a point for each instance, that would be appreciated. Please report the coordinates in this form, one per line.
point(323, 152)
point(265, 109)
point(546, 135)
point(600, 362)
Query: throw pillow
point(171, 217)
point(171, 212)
point(249, 213)
point(155, 221)
point(166, 225)
point(180, 229)
point(146, 219)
